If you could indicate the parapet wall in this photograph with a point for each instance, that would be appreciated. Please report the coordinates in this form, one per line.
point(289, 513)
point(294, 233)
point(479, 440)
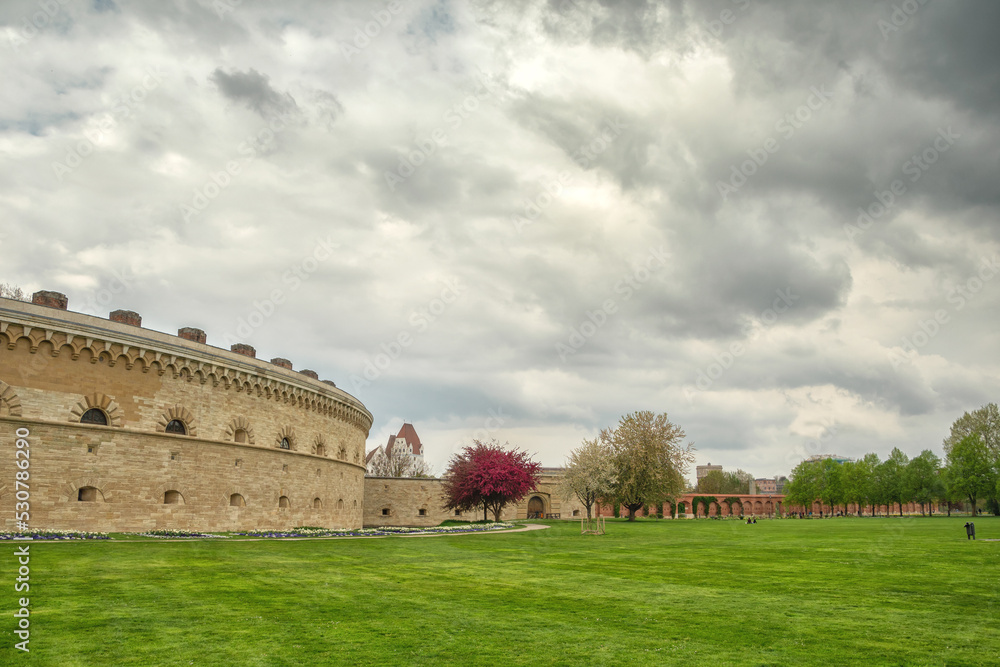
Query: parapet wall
point(286, 448)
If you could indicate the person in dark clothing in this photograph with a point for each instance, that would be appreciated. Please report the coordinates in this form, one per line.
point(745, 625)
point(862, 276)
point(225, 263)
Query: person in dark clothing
point(970, 530)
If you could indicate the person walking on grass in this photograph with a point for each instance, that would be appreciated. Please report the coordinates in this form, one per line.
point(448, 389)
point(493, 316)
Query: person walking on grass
point(970, 530)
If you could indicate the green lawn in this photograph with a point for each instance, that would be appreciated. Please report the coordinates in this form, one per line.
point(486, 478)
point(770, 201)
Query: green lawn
point(822, 592)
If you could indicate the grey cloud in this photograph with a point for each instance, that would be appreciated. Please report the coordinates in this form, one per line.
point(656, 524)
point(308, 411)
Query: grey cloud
point(254, 90)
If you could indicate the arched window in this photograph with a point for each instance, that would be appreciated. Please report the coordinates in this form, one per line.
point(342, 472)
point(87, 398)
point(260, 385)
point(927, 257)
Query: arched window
point(240, 435)
point(343, 454)
point(576, 512)
point(283, 502)
point(236, 500)
point(317, 504)
point(176, 426)
point(173, 498)
point(94, 416)
point(285, 444)
point(320, 450)
point(87, 494)
point(340, 504)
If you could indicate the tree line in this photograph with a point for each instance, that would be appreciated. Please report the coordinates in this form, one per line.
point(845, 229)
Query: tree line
point(969, 473)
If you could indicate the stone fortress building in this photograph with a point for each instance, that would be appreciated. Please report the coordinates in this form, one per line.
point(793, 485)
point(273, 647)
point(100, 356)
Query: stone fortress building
point(130, 429)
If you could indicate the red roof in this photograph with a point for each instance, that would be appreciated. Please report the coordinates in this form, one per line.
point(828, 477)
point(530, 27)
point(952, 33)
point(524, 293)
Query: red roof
point(409, 435)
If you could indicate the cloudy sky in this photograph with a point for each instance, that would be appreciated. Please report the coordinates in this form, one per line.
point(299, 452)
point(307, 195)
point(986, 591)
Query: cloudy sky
point(775, 221)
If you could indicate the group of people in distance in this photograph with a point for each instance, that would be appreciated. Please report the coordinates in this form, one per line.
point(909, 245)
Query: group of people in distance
point(751, 519)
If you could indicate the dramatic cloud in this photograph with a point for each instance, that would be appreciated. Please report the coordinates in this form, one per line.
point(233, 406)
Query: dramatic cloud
point(776, 221)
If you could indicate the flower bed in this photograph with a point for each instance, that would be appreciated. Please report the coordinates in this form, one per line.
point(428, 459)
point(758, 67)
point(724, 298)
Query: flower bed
point(177, 534)
point(375, 532)
point(52, 535)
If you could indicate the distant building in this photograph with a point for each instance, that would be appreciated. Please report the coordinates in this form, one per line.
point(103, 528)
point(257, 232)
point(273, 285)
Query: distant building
point(701, 471)
point(769, 485)
point(764, 485)
point(407, 439)
point(835, 457)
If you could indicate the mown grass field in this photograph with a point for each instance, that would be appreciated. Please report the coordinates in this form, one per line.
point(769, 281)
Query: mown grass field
point(812, 592)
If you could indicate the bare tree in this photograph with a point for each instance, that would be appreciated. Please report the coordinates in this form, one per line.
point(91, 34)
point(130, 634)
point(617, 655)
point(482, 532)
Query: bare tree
point(9, 291)
point(399, 463)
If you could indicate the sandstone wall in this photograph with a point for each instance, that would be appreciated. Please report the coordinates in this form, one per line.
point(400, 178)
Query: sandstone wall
point(55, 365)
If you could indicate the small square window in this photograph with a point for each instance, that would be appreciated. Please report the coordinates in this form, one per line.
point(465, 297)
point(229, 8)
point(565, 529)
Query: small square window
point(458, 513)
point(284, 468)
point(422, 512)
point(239, 463)
point(175, 456)
point(385, 512)
point(91, 449)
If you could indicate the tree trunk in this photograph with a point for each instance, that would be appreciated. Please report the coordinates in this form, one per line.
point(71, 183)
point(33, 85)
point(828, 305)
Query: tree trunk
point(588, 513)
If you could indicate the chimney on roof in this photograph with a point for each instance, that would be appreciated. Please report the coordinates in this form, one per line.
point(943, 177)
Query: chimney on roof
point(190, 333)
point(284, 363)
point(129, 317)
point(244, 349)
point(310, 374)
point(50, 299)
point(330, 382)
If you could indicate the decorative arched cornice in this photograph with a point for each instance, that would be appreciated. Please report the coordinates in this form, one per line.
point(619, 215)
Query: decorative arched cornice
point(10, 402)
point(136, 355)
point(102, 402)
point(180, 413)
point(319, 446)
point(286, 432)
point(240, 423)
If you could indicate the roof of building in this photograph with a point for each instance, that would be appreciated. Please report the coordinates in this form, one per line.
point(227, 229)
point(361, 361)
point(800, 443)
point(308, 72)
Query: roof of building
point(409, 436)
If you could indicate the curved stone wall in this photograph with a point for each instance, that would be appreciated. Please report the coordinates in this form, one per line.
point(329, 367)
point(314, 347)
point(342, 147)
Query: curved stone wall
point(196, 437)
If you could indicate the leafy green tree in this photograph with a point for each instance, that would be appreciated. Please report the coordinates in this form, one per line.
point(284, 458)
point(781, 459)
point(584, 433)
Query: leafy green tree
point(830, 479)
point(649, 459)
point(859, 481)
point(969, 469)
point(589, 475)
point(712, 482)
point(803, 485)
point(985, 424)
point(889, 477)
point(719, 482)
point(921, 480)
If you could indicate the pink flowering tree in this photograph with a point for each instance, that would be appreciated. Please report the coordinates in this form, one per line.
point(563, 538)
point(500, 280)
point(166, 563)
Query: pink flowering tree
point(489, 475)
